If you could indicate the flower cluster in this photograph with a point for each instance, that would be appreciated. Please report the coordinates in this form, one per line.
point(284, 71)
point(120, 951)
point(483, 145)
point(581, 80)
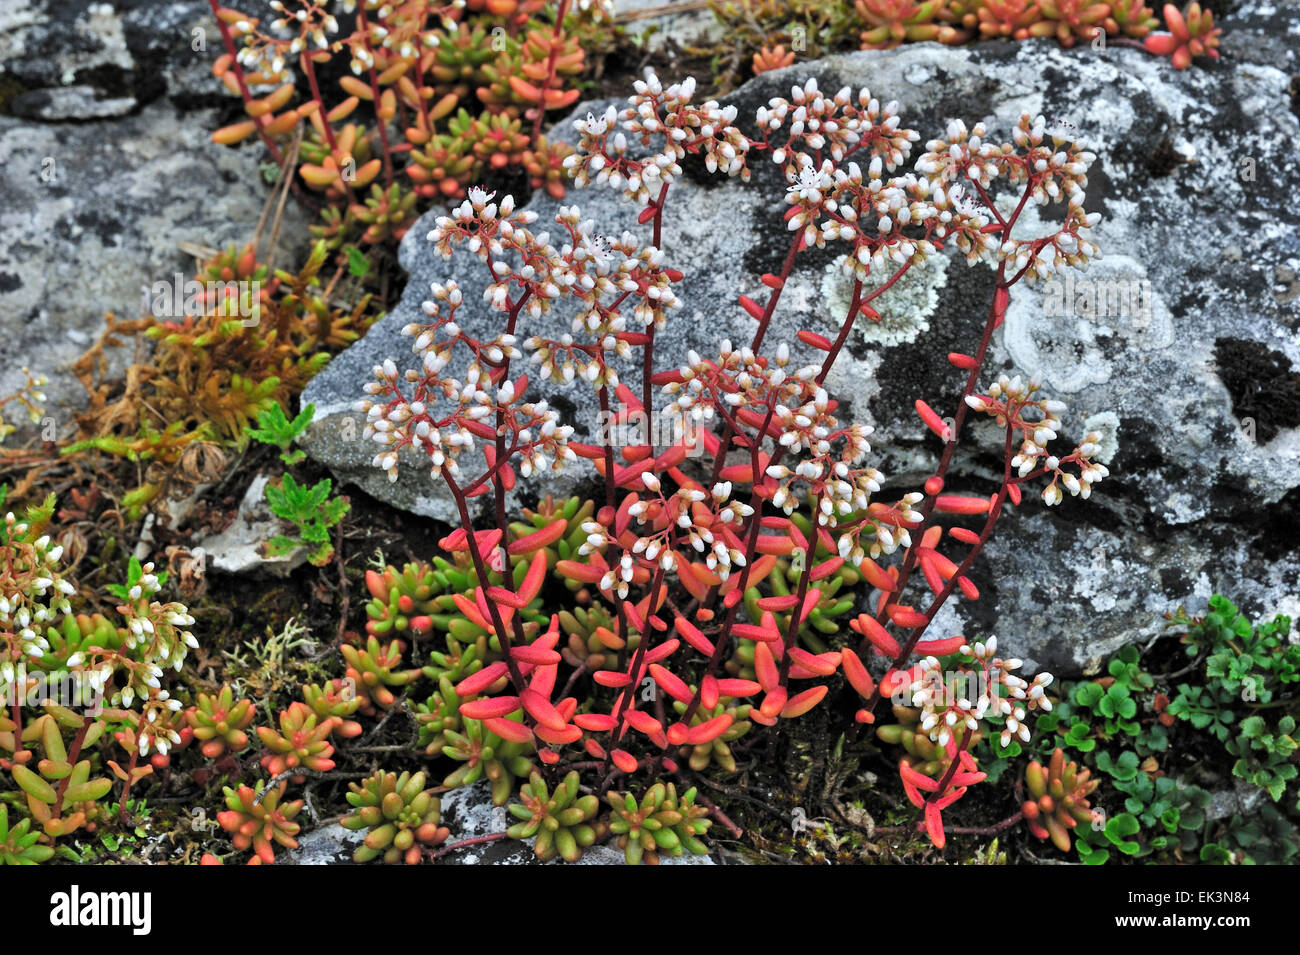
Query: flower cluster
point(998, 692)
point(602, 154)
point(758, 542)
point(1007, 401)
point(443, 415)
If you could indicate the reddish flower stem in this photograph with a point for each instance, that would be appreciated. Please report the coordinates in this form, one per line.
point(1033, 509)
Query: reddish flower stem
point(464, 844)
point(550, 68)
point(485, 581)
point(994, 512)
point(73, 755)
point(638, 657)
point(310, 70)
point(126, 787)
point(375, 92)
point(244, 91)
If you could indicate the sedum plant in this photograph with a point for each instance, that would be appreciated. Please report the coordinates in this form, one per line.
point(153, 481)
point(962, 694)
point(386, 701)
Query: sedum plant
point(500, 760)
point(92, 681)
point(302, 742)
point(560, 821)
point(1058, 799)
point(335, 702)
point(18, 844)
point(435, 95)
point(398, 813)
point(29, 397)
point(218, 722)
point(762, 30)
point(659, 823)
point(1191, 33)
point(259, 820)
point(372, 672)
point(664, 533)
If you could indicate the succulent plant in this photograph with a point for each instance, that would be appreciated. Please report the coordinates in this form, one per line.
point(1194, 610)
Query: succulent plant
point(1058, 798)
point(336, 701)
point(399, 812)
point(485, 754)
point(463, 657)
point(443, 167)
point(259, 825)
point(402, 601)
point(19, 845)
point(1132, 18)
point(303, 741)
point(385, 213)
point(218, 722)
point(783, 582)
point(1008, 18)
point(660, 823)
point(78, 634)
point(590, 637)
point(1191, 33)
point(54, 785)
point(561, 821)
point(531, 73)
point(923, 754)
point(544, 163)
point(459, 58)
point(1070, 20)
point(372, 671)
point(890, 22)
point(771, 58)
point(436, 715)
point(716, 752)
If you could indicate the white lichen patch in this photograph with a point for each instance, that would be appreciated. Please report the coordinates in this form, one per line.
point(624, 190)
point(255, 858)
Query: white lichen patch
point(904, 309)
point(1107, 425)
point(1062, 327)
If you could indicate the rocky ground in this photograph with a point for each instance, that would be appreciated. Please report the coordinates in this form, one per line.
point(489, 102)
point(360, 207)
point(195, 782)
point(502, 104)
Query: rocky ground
point(1191, 380)
point(111, 184)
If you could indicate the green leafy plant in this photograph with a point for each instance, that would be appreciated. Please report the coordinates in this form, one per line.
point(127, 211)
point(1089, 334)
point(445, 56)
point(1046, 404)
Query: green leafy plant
point(1171, 814)
point(1264, 837)
point(274, 427)
point(312, 511)
point(1265, 754)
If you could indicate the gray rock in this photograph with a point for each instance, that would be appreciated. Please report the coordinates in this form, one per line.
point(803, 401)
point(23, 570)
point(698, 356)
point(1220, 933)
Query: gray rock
point(1242, 799)
point(1195, 182)
point(109, 167)
point(238, 548)
point(665, 22)
point(328, 845)
point(70, 102)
